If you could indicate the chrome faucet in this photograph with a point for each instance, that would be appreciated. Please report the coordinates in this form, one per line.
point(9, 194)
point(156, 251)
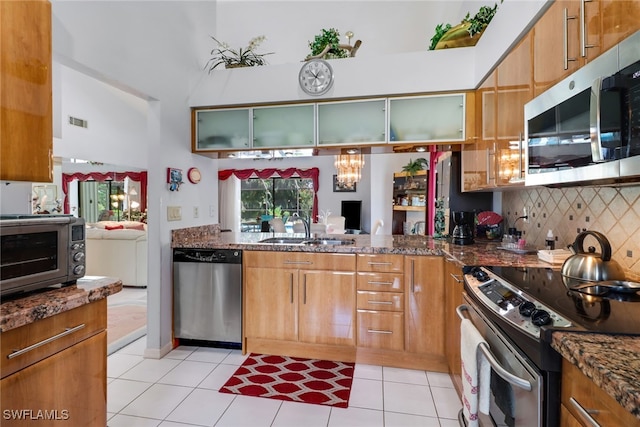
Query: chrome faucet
point(307, 228)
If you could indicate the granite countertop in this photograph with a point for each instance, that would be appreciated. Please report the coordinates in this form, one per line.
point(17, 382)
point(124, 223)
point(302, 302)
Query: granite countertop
point(22, 310)
point(612, 362)
point(483, 252)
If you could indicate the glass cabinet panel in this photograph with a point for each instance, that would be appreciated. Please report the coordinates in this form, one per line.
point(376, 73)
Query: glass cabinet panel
point(429, 118)
point(223, 129)
point(353, 122)
point(283, 126)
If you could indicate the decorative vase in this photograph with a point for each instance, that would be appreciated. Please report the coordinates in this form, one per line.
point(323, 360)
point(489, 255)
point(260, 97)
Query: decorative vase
point(458, 36)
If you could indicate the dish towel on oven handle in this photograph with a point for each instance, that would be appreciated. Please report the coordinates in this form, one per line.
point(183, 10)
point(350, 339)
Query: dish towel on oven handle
point(476, 374)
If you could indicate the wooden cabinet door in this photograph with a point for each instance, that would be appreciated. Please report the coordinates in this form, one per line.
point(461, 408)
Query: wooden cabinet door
point(424, 306)
point(514, 88)
point(548, 44)
point(271, 301)
point(327, 301)
point(68, 388)
point(26, 122)
point(453, 297)
point(618, 19)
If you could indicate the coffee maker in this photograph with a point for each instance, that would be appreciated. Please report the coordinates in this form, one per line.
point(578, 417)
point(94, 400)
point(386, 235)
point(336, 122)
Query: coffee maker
point(464, 226)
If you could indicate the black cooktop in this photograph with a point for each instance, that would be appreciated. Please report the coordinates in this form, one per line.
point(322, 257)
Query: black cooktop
point(613, 313)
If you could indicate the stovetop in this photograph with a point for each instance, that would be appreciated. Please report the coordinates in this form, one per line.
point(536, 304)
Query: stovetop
point(613, 313)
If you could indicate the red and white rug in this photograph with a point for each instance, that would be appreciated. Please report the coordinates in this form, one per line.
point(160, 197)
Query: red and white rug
point(295, 379)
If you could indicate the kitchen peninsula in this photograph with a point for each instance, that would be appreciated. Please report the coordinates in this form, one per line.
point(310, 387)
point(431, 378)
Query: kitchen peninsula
point(54, 354)
point(423, 271)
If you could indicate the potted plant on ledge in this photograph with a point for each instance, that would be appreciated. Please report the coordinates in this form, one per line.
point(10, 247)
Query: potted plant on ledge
point(231, 58)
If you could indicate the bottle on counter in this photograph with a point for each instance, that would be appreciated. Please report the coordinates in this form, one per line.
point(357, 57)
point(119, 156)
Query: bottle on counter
point(550, 241)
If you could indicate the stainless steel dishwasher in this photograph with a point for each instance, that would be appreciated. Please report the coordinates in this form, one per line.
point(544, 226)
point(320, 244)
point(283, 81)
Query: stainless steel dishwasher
point(207, 296)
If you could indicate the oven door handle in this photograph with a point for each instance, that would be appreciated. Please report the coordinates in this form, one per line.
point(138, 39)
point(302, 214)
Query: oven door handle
point(495, 365)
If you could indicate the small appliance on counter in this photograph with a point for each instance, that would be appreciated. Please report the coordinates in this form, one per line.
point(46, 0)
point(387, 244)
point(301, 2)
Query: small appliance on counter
point(39, 251)
point(463, 230)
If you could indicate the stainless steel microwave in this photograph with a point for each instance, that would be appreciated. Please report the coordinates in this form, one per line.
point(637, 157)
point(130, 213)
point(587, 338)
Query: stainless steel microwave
point(586, 129)
point(37, 251)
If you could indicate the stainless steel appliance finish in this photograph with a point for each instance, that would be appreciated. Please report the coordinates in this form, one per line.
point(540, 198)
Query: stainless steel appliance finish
point(527, 304)
point(581, 131)
point(207, 296)
point(40, 251)
point(516, 384)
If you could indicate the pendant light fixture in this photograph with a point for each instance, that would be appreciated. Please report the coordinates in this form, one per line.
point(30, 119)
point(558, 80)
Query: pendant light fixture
point(349, 167)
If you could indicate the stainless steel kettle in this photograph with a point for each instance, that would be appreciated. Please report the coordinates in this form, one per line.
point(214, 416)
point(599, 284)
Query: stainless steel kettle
point(591, 266)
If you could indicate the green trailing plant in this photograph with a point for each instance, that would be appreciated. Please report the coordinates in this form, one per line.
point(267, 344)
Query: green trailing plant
point(475, 25)
point(441, 30)
point(414, 166)
point(328, 37)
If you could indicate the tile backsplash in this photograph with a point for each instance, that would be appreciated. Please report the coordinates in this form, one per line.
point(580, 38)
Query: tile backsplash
point(615, 212)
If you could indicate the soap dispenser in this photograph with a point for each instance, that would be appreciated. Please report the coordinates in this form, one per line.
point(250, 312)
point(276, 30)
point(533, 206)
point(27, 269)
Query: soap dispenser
point(550, 242)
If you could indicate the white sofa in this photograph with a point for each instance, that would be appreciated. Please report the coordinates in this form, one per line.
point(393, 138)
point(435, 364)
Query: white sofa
point(120, 253)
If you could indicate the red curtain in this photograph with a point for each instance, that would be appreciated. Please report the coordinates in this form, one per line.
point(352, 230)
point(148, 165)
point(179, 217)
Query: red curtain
point(140, 177)
point(312, 173)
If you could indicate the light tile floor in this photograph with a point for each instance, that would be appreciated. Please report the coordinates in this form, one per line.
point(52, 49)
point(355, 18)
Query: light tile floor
point(181, 390)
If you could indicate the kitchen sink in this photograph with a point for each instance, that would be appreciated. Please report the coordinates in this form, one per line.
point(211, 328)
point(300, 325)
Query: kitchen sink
point(284, 240)
point(319, 242)
point(304, 241)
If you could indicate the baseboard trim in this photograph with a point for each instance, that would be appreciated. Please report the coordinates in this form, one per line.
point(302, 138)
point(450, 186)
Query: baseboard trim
point(158, 353)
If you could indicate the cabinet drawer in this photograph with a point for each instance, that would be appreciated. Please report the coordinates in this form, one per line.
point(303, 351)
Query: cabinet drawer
point(384, 301)
point(384, 263)
point(306, 260)
point(380, 281)
point(54, 334)
point(381, 330)
point(578, 389)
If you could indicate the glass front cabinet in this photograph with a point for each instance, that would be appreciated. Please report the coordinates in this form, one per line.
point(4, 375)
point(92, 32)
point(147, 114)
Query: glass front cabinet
point(352, 122)
point(224, 129)
point(284, 126)
point(427, 118)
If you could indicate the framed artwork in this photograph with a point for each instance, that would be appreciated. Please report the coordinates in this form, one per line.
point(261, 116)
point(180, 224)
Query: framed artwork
point(341, 188)
point(174, 178)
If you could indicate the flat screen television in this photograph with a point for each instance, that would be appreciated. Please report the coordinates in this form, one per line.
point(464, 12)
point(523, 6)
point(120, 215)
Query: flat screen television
point(351, 213)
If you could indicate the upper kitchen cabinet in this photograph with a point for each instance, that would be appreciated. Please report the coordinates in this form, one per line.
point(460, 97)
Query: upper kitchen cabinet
point(26, 122)
point(556, 44)
point(433, 118)
point(352, 122)
point(224, 129)
point(572, 33)
point(284, 126)
point(514, 88)
point(477, 168)
point(619, 19)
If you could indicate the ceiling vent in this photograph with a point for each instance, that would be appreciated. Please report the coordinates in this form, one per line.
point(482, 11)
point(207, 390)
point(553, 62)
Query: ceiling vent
point(74, 121)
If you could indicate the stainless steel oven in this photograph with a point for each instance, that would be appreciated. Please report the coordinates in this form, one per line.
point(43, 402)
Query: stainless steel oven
point(516, 310)
point(516, 384)
point(39, 251)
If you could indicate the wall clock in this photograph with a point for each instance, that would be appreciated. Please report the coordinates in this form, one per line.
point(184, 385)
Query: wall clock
point(316, 77)
point(194, 175)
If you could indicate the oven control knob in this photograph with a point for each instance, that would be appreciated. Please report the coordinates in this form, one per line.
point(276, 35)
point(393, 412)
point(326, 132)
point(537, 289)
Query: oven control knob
point(540, 317)
point(526, 308)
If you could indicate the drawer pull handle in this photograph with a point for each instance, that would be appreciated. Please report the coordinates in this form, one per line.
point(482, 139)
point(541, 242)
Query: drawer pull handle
point(585, 413)
point(456, 277)
point(380, 263)
point(381, 302)
point(378, 331)
point(298, 262)
point(67, 331)
point(380, 283)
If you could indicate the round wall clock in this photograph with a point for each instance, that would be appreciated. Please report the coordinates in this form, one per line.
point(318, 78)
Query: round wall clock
point(194, 175)
point(316, 77)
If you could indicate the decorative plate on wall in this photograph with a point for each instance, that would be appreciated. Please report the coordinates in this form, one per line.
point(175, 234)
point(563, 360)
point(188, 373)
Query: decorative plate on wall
point(194, 175)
